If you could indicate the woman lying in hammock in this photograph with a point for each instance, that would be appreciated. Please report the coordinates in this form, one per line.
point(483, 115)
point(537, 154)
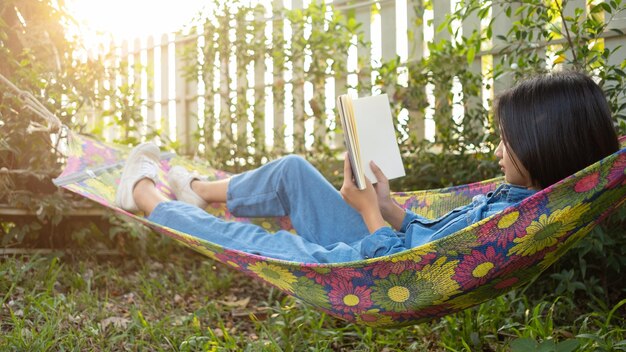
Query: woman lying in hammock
point(551, 126)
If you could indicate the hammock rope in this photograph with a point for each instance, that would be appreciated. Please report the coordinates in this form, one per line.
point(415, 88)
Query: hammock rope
point(37, 108)
point(473, 265)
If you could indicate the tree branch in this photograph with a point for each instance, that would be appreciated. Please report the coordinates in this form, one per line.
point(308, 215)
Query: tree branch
point(568, 36)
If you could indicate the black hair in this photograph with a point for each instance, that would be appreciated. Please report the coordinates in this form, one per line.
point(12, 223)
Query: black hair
point(556, 124)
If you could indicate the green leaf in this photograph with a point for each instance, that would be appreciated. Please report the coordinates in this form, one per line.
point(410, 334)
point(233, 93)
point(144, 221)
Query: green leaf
point(617, 30)
point(603, 6)
point(546, 346)
point(471, 53)
point(590, 336)
point(567, 345)
point(524, 344)
point(441, 26)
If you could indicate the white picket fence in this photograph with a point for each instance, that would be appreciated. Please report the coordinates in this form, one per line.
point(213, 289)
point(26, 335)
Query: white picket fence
point(176, 106)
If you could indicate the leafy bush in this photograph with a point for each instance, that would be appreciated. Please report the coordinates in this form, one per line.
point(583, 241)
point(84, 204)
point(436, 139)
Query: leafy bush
point(37, 57)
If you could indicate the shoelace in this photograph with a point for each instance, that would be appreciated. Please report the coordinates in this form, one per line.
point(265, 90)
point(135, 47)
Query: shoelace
point(148, 167)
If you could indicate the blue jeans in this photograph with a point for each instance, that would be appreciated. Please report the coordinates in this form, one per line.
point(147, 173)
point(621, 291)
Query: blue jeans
point(329, 230)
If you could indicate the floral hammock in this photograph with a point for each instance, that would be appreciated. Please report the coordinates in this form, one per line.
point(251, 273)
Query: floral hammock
point(464, 269)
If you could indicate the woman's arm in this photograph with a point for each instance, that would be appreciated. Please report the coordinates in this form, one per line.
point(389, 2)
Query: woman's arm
point(363, 201)
point(390, 210)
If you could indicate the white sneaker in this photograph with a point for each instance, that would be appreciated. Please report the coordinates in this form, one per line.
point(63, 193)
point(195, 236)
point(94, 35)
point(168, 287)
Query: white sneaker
point(180, 182)
point(142, 162)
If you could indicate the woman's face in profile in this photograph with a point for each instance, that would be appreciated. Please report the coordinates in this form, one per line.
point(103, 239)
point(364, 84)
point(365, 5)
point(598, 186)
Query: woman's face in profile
point(514, 175)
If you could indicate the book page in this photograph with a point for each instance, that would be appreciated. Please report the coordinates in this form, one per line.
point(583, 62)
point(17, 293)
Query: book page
point(377, 137)
point(346, 115)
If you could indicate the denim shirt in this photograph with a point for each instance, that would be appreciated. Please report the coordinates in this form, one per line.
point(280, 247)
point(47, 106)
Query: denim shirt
point(417, 230)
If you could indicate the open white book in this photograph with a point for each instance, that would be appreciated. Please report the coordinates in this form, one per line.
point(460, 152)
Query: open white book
point(370, 135)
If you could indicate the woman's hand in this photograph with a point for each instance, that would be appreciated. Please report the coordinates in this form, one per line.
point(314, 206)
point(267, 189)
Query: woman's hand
point(383, 193)
point(391, 212)
point(363, 201)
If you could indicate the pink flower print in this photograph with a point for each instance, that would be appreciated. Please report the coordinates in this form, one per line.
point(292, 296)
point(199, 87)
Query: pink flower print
point(511, 223)
point(383, 269)
point(344, 296)
point(516, 263)
point(617, 173)
point(328, 276)
point(587, 183)
point(478, 267)
point(285, 223)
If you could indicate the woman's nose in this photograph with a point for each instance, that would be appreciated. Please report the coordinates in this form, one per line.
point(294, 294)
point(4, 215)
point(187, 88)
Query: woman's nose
point(498, 151)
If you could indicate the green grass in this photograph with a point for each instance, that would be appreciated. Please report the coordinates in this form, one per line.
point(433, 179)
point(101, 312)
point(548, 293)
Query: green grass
point(178, 300)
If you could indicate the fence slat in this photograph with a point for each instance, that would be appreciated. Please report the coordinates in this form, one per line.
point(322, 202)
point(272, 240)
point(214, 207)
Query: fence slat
point(137, 84)
point(299, 116)
point(472, 100)
point(165, 94)
point(442, 106)
point(224, 57)
point(150, 113)
point(123, 81)
point(242, 84)
point(340, 80)
point(415, 37)
point(110, 59)
point(501, 26)
point(613, 42)
point(186, 103)
point(209, 56)
point(363, 15)
point(388, 30)
point(259, 84)
point(278, 88)
point(318, 99)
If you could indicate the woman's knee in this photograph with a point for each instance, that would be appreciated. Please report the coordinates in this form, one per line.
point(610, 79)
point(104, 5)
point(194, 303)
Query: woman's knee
point(295, 162)
point(297, 172)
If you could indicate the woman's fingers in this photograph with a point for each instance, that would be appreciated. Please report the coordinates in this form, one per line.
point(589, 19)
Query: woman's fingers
point(347, 171)
point(380, 176)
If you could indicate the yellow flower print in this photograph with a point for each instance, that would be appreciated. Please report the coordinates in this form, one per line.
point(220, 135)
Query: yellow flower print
point(101, 189)
point(217, 210)
point(428, 213)
point(440, 275)
point(507, 220)
point(416, 254)
point(275, 275)
point(547, 230)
